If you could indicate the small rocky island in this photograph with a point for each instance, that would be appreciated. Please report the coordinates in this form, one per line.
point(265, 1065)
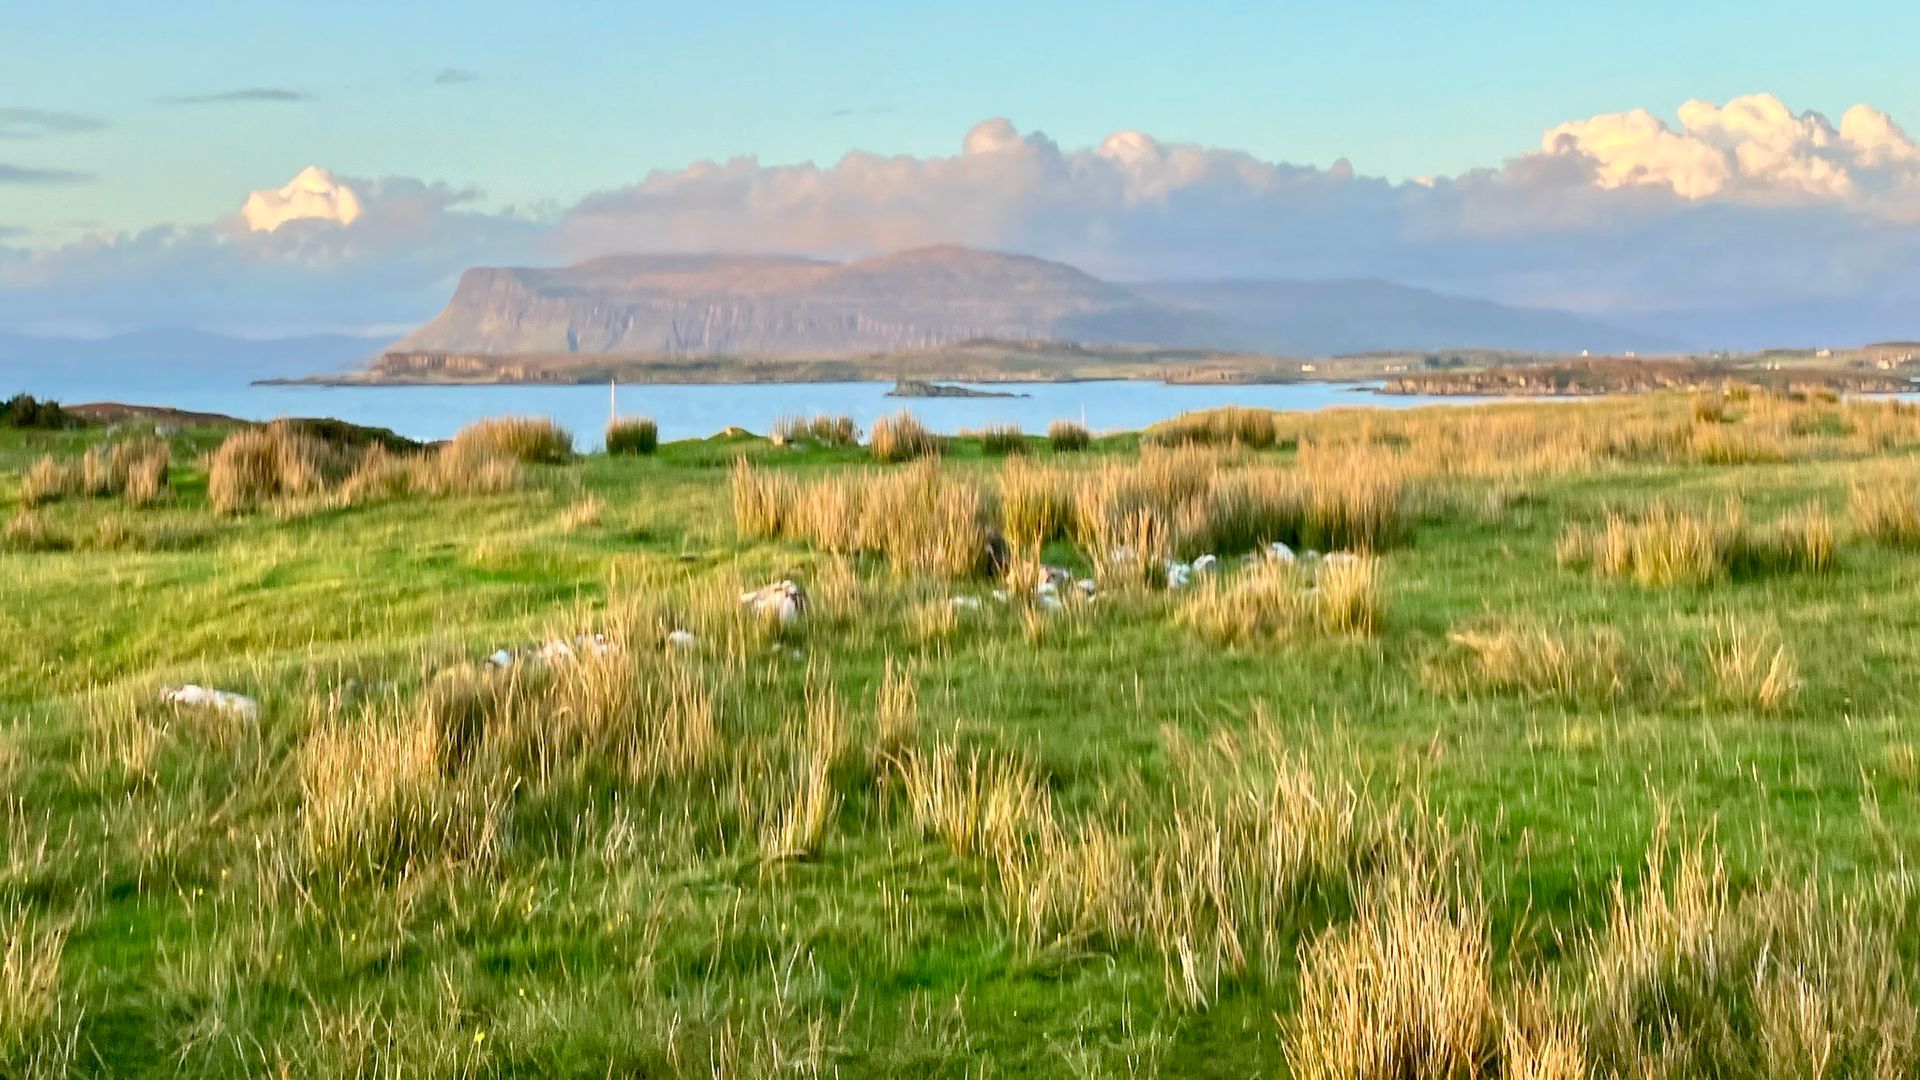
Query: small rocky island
point(920, 389)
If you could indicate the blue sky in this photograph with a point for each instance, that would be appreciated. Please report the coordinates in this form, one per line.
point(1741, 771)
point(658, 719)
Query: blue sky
point(577, 96)
point(1740, 165)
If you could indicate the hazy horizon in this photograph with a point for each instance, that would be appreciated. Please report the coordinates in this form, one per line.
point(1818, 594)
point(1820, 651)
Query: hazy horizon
point(264, 175)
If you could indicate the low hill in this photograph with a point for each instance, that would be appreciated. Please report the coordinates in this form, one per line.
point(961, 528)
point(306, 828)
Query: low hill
point(679, 305)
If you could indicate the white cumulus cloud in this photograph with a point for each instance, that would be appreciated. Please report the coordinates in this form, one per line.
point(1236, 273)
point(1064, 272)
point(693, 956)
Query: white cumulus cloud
point(1752, 148)
point(313, 195)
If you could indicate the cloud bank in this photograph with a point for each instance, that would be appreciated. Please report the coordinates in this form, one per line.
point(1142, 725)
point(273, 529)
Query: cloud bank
point(1740, 224)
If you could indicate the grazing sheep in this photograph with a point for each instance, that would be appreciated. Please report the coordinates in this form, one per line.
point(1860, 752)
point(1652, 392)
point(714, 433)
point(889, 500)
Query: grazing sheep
point(782, 600)
point(221, 701)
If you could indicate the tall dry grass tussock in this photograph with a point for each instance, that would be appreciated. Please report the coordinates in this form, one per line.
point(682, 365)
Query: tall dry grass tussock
point(1668, 545)
point(632, 435)
point(47, 481)
point(901, 437)
point(799, 824)
point(1003, 439)
point(979, 803)
point(1274, 601)
point(896, 711)
point(1544, 661)
point(763, 500)
point(1036, 504)
point(133, 468)
point(29, 530)
point(532, 440)
point(375, 800)
point(1404, 991)
point(1752, 667)
point(1888, 513)
point(448, 470)
point(1208, 501)
point(818, 430)
point(254, 466)
point(922, 519)
point(1255, 841)
point(30, 960)
point(1233, 425)
point(1688, 980)
point(1067, 437)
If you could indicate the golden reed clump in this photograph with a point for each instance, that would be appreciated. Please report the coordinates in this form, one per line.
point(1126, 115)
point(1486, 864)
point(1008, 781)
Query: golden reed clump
point(532, 440)
point(901, 437)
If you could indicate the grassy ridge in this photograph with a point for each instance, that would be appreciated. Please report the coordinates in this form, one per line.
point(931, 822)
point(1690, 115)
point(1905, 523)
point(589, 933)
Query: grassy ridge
point(1620, 819)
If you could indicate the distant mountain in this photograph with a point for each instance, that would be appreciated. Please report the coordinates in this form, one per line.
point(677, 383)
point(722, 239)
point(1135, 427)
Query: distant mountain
point(145, 356)
point(1334, 317)
point(702, 305)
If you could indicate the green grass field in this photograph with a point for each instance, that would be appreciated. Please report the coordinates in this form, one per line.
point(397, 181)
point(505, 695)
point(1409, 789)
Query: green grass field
point(1589, 794)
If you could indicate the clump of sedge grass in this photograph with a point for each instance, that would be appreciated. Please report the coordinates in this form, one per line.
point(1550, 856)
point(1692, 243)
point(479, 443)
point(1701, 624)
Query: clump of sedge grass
point(30, 959)
point(1889, 513)
point(896, 710)
point(1003, 439)
point(375, 801)
point(1403, 991)
point(146, 474)
point(533, 440)
point(447, 470)
point(583, 514)
point(1232, 425)
point(819, 430)
point(1752, 668)
point(1036, 504)
point(135, 468)
point(258, 465)
point(901, 437)
point(1666, 546)
point(47, 481)
point(1687, 980)
point(921, 519)
point(1273, 601)
point(1803, 541)
point(28, 530)
point(1543, 661)
point(799, 826)
point(1066, 437)
point(763, 500)
point(1671, 546)
point(632, 435)
point(978, 803)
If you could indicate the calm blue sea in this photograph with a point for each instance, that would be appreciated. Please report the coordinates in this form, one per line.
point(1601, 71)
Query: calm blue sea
point(687, 411)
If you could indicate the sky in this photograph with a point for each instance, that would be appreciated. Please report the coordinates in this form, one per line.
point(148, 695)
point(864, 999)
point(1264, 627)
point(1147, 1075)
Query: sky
point(132, 134)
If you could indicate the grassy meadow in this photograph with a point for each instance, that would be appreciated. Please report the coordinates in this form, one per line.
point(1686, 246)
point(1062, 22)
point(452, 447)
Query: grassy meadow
point(1588, 747)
